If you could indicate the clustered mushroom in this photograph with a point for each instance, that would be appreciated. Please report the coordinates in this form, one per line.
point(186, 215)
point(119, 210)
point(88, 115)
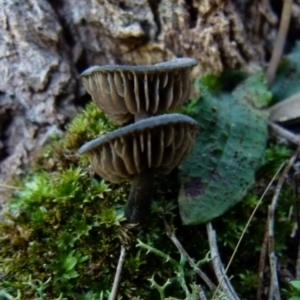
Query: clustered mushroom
point(152, 143)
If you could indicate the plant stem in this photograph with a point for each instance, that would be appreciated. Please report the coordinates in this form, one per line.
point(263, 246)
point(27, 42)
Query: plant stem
point(158, 253)
point(139, 200)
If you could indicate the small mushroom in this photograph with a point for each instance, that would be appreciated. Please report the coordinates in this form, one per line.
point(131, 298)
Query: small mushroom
point(136, 151)
point(125, 93)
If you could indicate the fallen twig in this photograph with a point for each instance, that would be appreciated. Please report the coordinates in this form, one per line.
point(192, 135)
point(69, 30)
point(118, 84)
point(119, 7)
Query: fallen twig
point(280, 41)
point(223, 280)
point(298, 263)
point(286, 134)
point(297, 199)
point(286, 110)
point(262, 263)
point(201, 293)
point(114, 290)
point(247, 225)
point(183, 252)
point(7, 186)
point(274, 285)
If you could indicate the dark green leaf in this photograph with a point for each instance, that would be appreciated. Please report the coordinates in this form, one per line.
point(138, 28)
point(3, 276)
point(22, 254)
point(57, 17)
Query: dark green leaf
point(227, 153)
point(295, 284)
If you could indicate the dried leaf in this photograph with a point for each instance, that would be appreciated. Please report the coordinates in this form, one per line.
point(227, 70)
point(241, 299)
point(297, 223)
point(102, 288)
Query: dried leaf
point(287, 82)
point(287, 110)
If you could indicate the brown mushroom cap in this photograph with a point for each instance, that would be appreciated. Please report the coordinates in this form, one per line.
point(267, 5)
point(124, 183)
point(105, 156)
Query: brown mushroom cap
point(162, 142)
point(123, 91)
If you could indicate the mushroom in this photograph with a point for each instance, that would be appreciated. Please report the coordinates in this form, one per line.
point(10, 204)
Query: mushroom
point(136, 151)
point(125, 93)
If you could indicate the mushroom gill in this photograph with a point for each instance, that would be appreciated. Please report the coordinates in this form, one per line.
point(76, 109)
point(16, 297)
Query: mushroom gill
point(126, 93)
point(136, 151)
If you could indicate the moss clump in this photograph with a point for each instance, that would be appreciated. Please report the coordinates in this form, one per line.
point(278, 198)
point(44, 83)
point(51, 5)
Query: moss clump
point(62, 234)
point(64, 228)
point(59, 217)
point(90, 123)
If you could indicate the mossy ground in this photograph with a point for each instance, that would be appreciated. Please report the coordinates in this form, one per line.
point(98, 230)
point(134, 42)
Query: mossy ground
point(62, 235)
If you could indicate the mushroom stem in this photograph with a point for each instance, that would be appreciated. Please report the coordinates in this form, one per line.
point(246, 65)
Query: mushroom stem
point(139, 200)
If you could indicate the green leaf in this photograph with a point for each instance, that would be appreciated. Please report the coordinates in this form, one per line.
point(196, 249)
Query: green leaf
point(295, 284)
point(253, 91)
point(70, 274)
point(287, 80)
point(70, 262)
point(228, 151)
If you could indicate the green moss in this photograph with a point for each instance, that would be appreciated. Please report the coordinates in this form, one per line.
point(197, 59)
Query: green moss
point(61, 229)
point(64, 228)
point(90, 123)
point(62, 234)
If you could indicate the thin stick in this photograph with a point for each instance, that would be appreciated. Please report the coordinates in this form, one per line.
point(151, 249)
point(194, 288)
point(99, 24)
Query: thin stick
point(248, 223)
point(183, 252)
point(297, 198)
point(262, 263)
point(274, 285)
point(286, 134)
point(8, 186)
point(201, 293)
point(218, 266)
point(114, 290)
point(298, 263)
point(280, 40)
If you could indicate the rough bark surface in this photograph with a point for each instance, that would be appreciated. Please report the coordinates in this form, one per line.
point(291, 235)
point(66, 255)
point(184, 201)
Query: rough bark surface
point(44, 45)
point(37, 82)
